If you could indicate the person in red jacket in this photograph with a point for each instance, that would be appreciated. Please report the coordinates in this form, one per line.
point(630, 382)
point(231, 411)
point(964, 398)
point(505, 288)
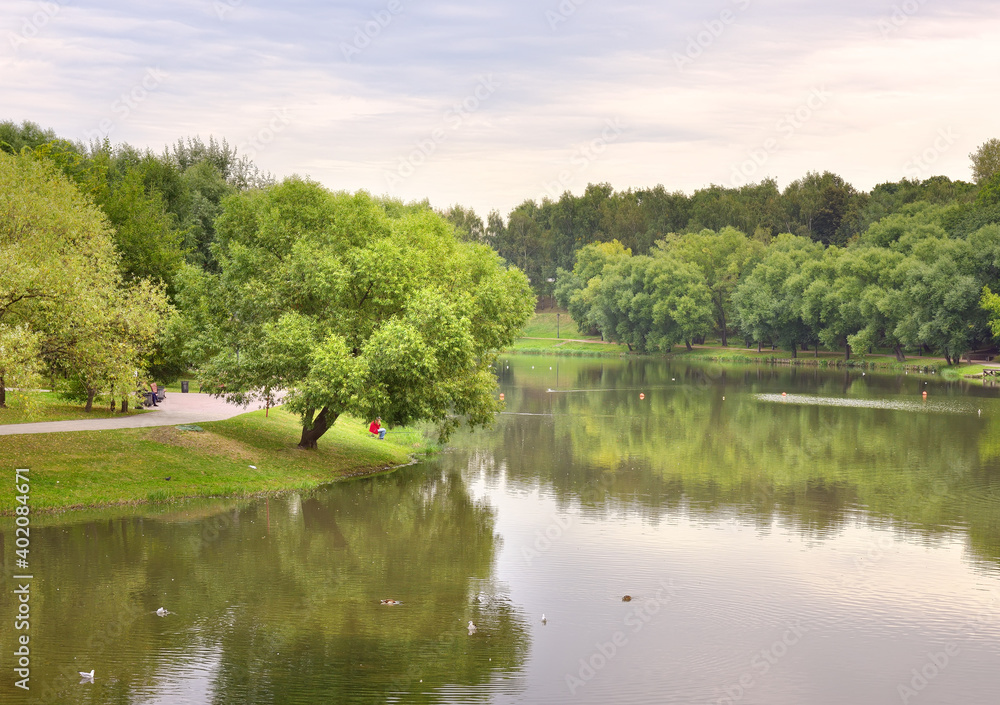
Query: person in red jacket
point(376, 428)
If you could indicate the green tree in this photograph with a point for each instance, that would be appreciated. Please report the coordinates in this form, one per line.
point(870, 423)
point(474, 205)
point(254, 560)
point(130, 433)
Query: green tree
point(468, 226)
point(723, 258)
point(344, 308)
point(986, 160)
point(572, 291)
point(14, 137)
point(59, 291)
point(652, 302)
point(769, 301)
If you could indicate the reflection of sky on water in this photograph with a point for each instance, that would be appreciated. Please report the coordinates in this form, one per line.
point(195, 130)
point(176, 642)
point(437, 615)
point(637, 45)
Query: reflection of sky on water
point(186, 676)
point(939, 407)
point(711, 593)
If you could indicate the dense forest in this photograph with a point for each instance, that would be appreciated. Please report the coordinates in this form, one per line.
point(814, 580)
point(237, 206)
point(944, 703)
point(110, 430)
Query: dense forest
point(121, 267)
point(909, 266)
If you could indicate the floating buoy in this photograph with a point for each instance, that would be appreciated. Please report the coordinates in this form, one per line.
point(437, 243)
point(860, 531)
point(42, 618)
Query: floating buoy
point(924, 395)
point(641, 395)
point(501, 396)
point(784, 394)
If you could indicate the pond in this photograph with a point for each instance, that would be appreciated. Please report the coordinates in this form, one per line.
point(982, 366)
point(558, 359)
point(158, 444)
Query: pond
point(786, 536)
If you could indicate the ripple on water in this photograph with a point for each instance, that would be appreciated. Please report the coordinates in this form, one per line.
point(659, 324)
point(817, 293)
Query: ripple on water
point(938, 407)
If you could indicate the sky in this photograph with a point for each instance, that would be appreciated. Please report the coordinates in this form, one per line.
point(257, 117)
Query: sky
point(488, 104)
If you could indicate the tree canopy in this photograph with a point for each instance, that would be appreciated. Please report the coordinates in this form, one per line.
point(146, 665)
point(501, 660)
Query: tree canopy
point(343, 303)
point(60, 302)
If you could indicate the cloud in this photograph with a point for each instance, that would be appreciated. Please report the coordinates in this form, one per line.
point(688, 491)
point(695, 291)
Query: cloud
point(346, 92)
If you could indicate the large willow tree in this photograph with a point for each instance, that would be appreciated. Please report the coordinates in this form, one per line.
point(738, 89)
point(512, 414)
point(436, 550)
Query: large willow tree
point(345, 304)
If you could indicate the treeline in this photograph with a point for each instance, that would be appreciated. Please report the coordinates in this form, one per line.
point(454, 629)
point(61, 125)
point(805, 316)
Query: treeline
point(910, 282)
point(120, 266)
point(541, 237)
point(93, 238)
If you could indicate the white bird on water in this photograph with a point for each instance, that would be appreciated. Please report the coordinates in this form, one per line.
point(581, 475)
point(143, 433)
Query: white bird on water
point(87, 676)
point(543, 618)
point(162, 612)
point(472, 628)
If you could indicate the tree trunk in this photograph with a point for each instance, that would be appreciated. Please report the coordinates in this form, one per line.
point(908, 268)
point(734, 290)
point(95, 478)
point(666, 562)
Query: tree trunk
point(758, 346)
point(320, 425)
point(725, 339)
point(947, 357)
point(687, 344)
point(795, 353)
point(112, 404)
point(3, 394)
point(847, 351)
point(816, 350)
point(90, 400)
point(124, 405)
point(900, 357)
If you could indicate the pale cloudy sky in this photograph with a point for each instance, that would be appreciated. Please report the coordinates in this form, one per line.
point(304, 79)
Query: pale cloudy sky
point(490, 103)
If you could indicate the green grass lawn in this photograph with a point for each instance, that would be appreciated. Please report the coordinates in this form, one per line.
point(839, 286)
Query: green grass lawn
point(48, 406)
point(131, 466)
point(539, 337)
point(545, 325)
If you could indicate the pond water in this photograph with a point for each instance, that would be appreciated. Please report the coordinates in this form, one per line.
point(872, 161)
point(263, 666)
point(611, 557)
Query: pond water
point(788, 536)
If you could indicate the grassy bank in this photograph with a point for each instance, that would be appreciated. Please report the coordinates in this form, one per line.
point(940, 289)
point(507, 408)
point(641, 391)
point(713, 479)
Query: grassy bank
point(551, 332)
point(809, 358)
point(49, 406)
point(247, 455)
point(540, 339)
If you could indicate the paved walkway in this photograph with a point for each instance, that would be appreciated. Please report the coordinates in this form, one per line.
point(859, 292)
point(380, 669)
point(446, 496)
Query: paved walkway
point(176, 408)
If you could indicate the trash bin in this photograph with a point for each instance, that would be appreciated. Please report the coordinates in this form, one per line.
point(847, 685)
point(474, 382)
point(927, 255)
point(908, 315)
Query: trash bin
point(184, 386)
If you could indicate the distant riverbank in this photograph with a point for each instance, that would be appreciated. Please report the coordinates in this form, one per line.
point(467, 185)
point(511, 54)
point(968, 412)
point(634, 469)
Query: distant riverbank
point(555, 333)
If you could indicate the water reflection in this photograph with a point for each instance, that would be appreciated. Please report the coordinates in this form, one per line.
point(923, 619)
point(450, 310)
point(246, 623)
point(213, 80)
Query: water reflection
point(715, 439)
point(815, 551)
point(278, 600)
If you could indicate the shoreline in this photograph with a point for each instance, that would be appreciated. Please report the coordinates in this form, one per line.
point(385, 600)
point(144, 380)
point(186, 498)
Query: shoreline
point(743, 356)
point(246, 456)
